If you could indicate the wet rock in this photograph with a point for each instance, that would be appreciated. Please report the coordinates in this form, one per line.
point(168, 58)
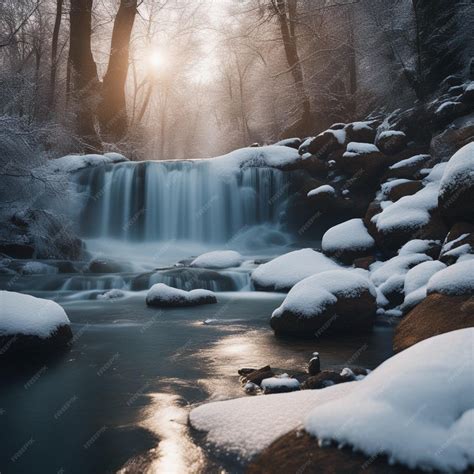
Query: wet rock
point(314, 365)
point(258, 375)
point(245, 371)
point(436, 314)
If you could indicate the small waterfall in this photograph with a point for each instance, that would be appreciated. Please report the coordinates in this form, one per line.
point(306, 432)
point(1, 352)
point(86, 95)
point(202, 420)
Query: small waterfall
point(180, 200)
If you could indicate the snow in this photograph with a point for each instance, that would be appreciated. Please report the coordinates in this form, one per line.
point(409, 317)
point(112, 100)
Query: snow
point(410, 161)
point(245, 426)
point(27, 315)
point(459, 171)
point(356, 148)
point(449, 245)
point(350, 235)
point(38, 268)
point(340, 135)
point(399, 265)
point(386, 187)
point(325, 188)
point(218, 259)
point(391, 133)
point(287, 141)
point(162, 293)
point(410, 212)
point(71, 163)
point(111, 295)
point(434, 175)
point(270, 155)
point(416, 246)
point(279, 381)
point(311, 296)
point(417, 407)
point(288, 269)
point(445, 105)
point(416, 281)
point(361, 125)
point(457, 279)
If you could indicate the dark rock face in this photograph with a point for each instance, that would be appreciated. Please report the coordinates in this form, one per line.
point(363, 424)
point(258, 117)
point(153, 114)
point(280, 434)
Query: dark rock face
point(298, 453)
point(436, 314)
point(349, 313)
point(104, 266)
point(21, 344)
point(390, 144)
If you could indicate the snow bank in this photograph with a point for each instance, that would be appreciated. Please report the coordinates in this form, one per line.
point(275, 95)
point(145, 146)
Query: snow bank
point(417, 407)
point(71, 163)
point(27, 315)
point(457, 279)
point(218, 259)
point(164, 295)
point(325, 188)
point(285, 271)
point(245, 426)
point(350, 235)
point(459, 171)
point(311, 296)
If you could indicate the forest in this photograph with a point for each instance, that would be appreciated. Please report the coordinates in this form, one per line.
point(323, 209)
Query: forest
point(237, 236)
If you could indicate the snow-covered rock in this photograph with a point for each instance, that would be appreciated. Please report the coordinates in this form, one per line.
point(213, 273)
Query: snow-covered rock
point(332, 301)
point(245, 426)
point(391, 142)
point(38, 268)
point(347, 241)
point(284, 271)
point(457, 279)
point(279, 384)
point(29, 324)
point(164, 296)
point(72, 163)
point(218, 259)
point(355, 148)
point(325, 188)
point(111, 295)
point(290, 142)
point(456, 192)
point(420, 246)
point(417, 407)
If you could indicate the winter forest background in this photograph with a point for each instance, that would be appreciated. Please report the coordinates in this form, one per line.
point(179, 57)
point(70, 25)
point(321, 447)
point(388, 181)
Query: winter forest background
point(203, 77)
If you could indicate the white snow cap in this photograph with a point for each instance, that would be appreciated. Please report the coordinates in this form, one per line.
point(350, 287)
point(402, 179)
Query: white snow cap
point(27, 315)
point(71, 163)
point(351, 234)
point(410, 161)
point(166, 293)
point(457, 279)
point(417, 407)
point(356, 148)
point(290, 268)
point(417, 246)
point(459, 172)
point(218, 259)
point(325, 188)
point(311, 296)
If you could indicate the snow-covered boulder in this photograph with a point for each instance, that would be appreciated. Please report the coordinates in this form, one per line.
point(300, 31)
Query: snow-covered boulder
point(218, 259)
point(72, 163)
point(391, 142)
point(279, 384)
point(111, 295)
point(290, 142)
point(328, 302)
point(348, 241)
point(362, 132)
point(407, 168)
point(324, 143)
point(283, 272)
point(428, 247)
point(164, 296)
point(460, 236)
point(416, 408)
point(38, 268)
point(456, 192)
point(29, 324)
point(457, 279)
point(361, 156)
point(324, 189)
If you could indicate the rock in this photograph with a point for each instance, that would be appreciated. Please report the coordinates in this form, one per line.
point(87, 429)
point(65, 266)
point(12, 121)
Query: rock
point(456, 193)
point(454, 137)
point(299, 453)
point(362, 132)
point(245, 371)
point(314, 365)
point(279, 384)
point(251, 388)
point(258, 375)
point(17, 250)
point(436, 314)
point(449, 111)
point(461, 233)
point(362, 157)
point(323, 144)
point(164, 296)
point(290, 142)
point(337, 126)
point(451, 81)
point(102, 265)
point(331, 302)
point(391, 142)
point(254, 145)
point(364, 262)
point(404, 189)
point(324, 379)
point(407, 168)
point(468, 94)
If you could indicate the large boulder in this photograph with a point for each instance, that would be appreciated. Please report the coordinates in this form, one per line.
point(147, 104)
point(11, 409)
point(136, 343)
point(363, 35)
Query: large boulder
point(324, 143)
point(437, 314)
point(401, 189)
point(459, 241)
point(362, 132)
point(348, 241)
point(326, 303)
point(30, 325)
point(456, 193)
point(361, 157)
point(408, 167)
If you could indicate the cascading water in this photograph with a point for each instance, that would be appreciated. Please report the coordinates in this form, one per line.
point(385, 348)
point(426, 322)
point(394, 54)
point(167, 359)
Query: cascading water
point(180, 200)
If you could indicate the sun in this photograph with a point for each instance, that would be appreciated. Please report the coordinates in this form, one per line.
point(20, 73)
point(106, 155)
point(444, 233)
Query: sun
point(157, 60)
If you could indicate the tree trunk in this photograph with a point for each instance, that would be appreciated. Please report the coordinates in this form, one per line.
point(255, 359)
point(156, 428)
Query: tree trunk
point(85, 82)
point(54, 51)
point(112, 113)
point(286, 12)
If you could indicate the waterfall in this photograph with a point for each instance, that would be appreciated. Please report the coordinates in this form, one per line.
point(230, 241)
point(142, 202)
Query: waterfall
point(180, 200)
